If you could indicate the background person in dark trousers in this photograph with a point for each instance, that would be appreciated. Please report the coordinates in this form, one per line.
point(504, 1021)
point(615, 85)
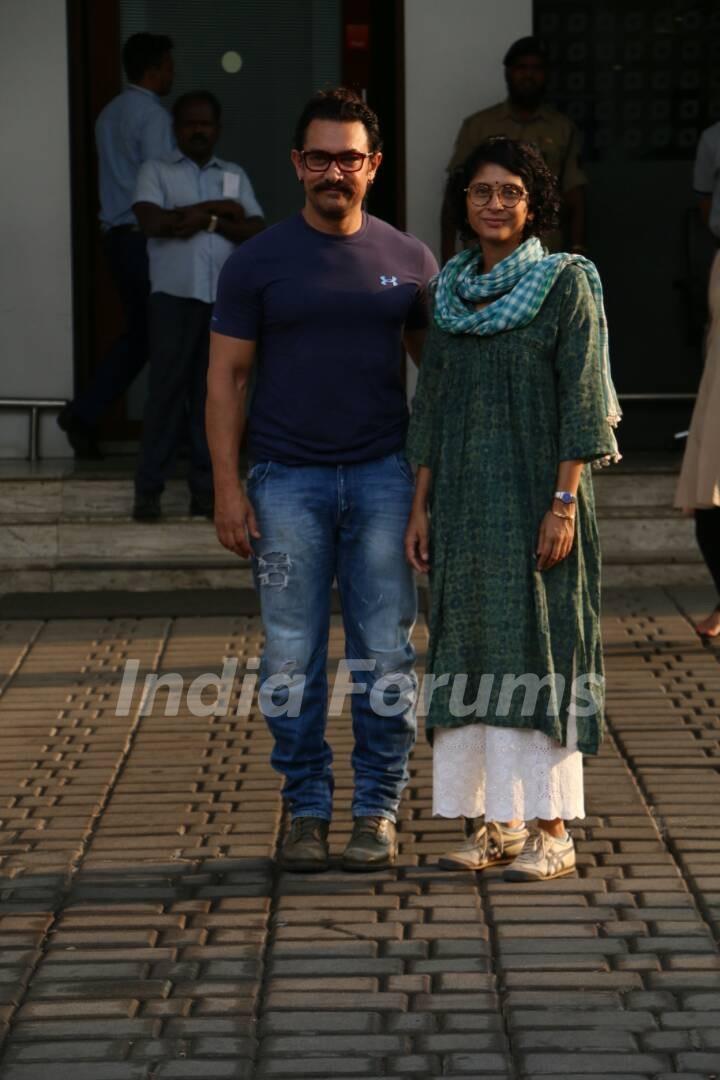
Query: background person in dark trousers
point(527, 117)
point(195, 209)
point(324, 300)
point(698, 490)
point(134, 127)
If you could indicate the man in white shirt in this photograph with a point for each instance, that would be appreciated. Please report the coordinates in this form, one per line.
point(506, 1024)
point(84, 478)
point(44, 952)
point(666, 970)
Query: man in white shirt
point(195, 209)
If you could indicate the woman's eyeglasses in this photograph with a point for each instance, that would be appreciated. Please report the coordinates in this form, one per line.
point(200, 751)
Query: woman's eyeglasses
point(508, 194)
point(320, 160)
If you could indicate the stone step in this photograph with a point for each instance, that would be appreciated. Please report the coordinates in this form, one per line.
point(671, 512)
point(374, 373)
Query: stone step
point(79, 497)
point(80, 500)
point(644, 547)
point(643, 489)
point(627, 534)
point(64, 530)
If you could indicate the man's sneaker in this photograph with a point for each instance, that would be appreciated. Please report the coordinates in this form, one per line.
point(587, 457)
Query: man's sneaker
point(542, 858)
point(82, 437)
point(372, 846)
point(305, 850)
point(486, 845)
point(146, 508)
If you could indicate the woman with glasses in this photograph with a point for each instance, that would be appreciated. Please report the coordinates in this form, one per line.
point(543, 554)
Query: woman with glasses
point(514, 401)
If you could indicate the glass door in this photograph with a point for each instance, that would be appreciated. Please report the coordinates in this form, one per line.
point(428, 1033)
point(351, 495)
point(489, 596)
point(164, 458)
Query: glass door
point(641, 79)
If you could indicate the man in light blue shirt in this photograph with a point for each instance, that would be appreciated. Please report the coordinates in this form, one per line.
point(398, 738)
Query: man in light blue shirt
point(131, 129)
point(195, 209)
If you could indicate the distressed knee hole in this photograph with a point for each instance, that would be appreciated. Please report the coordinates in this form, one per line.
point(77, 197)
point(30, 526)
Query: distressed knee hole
point(273, 569)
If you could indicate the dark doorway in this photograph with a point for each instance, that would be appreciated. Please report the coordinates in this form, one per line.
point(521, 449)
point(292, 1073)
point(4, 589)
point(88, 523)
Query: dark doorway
point(641, 79)
point(263, 59)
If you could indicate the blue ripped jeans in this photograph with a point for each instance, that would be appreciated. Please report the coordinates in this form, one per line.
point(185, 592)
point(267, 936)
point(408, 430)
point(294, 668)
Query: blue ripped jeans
point(319, 523)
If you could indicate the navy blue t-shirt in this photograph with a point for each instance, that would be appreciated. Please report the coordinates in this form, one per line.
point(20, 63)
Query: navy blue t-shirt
point(327, 313)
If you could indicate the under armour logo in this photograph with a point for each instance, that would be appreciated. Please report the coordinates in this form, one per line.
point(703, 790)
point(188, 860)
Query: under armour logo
point(387, 280)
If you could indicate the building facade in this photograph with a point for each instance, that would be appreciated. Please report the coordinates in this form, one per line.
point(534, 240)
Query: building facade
point(631, 73)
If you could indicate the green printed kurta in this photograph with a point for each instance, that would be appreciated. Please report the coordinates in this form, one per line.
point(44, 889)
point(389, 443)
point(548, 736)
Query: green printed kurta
point(492, 417)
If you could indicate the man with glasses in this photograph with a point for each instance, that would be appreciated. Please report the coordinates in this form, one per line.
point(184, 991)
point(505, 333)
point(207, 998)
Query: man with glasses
point(526, 116)
point(323, 301)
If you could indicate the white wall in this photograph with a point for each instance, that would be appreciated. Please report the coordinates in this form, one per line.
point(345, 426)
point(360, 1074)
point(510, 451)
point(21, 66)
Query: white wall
point(35, 255)
point(453, 67)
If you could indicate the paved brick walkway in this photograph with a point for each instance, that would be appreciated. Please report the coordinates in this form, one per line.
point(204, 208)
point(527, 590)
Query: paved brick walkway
point(145, 934)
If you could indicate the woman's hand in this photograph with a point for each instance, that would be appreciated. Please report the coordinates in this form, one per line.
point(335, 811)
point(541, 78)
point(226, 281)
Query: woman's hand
point(417, 539)
point(557, 535)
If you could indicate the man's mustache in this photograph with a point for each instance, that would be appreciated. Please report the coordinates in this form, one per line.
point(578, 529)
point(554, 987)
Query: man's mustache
point(334, 187)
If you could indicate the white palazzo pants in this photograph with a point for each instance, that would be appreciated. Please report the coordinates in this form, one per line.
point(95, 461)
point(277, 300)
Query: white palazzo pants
point(506, 773)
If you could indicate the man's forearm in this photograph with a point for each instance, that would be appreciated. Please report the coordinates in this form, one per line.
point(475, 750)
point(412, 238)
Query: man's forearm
point(155, 221)
point(232, 222)
point(239, 230)
point(225, 425)
point(221, 207)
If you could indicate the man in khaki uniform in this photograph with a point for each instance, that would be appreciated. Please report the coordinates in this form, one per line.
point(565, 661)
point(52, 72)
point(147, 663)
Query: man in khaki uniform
point(526, 116)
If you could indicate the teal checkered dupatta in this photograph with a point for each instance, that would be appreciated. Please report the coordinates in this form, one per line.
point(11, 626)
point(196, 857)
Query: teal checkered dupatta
point(521, 283)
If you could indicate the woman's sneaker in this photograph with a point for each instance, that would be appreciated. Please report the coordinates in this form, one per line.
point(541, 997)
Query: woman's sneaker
point(542, 858)
point(486, 845)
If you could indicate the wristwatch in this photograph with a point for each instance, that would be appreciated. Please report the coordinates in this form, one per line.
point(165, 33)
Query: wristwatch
point(566, 497)
point(213, 223)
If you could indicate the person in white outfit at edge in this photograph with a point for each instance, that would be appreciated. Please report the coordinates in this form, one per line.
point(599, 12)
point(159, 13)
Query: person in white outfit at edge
point(698, 489)
point(514, 402)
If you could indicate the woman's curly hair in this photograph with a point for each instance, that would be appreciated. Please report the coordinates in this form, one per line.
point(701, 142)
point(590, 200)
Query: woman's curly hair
point(523, 160)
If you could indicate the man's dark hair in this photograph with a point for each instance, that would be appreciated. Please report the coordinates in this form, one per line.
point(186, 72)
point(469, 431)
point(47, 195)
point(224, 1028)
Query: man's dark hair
point(523, 160)
point(197, 97)
point(142, 52)
point(527, 46)
point(341, 105)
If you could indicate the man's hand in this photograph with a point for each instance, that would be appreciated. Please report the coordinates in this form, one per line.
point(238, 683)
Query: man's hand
point(417, 540)
point(227, 208)
point(235, 522)
point(555, 541)
point(191, 220)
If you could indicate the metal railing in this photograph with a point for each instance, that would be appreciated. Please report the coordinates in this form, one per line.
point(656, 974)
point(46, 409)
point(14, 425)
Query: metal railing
point(34, 407)
point(657, 397)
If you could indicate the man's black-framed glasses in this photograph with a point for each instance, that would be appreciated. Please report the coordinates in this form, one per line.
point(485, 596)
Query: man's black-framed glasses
point(320, 160)
point(509, 194)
